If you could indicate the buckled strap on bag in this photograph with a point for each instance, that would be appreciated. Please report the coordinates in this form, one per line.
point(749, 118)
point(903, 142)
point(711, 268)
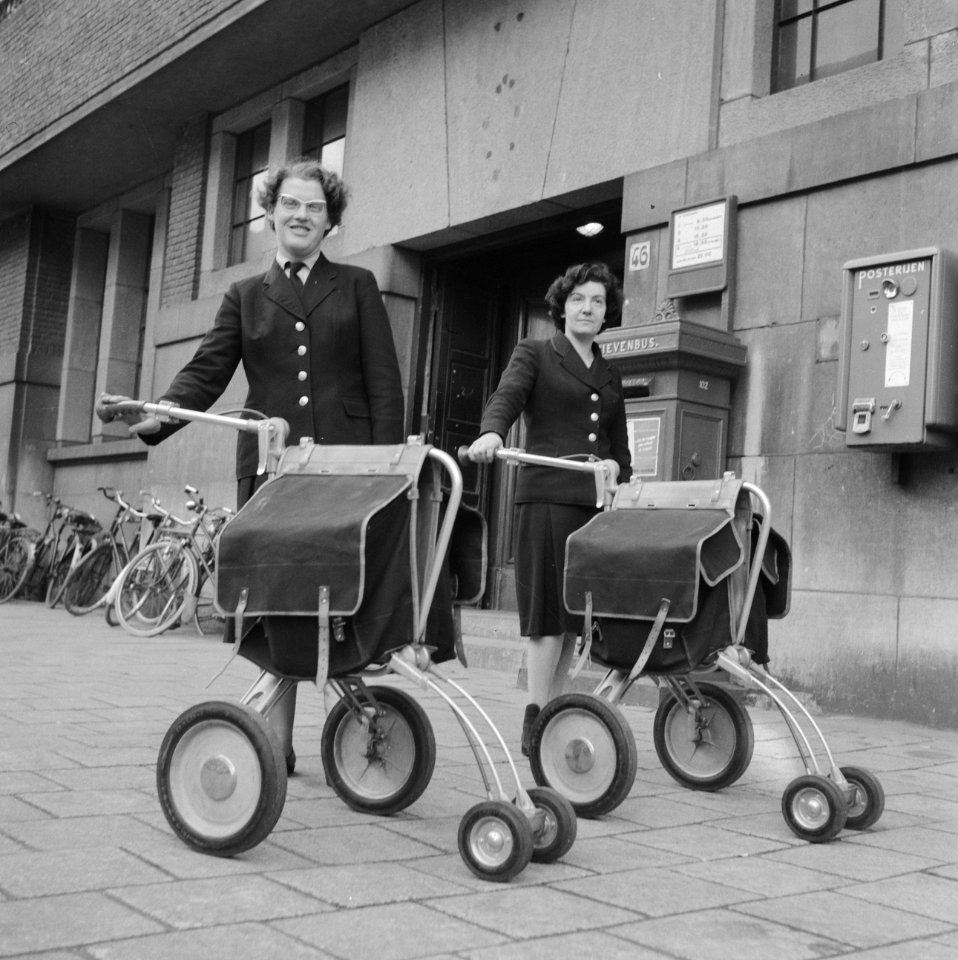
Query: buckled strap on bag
point(237, 635)
point(584, 655)
point(322, 651)
point(664, 605)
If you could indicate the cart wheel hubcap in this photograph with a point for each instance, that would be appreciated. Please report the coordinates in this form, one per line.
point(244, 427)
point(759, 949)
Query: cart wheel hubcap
point(811, 808)
point(547, 831)
point(218, 778)
point(580, 755)
point(859, 801)
point(492, 842)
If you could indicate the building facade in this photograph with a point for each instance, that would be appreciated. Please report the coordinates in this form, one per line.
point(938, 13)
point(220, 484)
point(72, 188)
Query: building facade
point(475, 138)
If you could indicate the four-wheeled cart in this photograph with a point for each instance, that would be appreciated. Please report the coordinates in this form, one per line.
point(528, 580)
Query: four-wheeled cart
point(341, 567)
point(676, 581)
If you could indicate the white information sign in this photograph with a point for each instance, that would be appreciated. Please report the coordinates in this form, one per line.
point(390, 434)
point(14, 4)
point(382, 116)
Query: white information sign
point(699, 236)
point(898, 352)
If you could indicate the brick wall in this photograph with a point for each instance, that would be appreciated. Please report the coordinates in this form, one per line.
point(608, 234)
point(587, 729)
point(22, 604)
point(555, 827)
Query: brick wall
point(56, 56)
point(14, 253)
point(48, 282)
point(185, 228)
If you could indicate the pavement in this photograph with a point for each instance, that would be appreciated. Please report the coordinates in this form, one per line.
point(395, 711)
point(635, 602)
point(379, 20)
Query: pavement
point(89, 867)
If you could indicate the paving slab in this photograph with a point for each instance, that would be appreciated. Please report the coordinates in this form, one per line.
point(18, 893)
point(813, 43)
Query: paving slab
point(90, 869)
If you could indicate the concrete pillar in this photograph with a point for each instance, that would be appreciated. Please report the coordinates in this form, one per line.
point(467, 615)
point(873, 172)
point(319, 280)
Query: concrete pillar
point(124, 309)
point(83, 336)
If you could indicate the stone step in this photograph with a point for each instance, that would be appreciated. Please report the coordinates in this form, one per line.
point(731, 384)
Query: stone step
point(492, 642)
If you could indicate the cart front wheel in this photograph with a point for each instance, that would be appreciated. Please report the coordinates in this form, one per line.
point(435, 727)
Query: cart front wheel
point(705, 747)
point(555, 828)
point(221, 778)
point(868, 801)
point(582, 747)
point(495, 840)
point(814, 808)
point(379, 758)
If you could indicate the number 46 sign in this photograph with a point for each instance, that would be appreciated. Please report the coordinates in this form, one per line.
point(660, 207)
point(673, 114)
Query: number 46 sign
point(639, 255)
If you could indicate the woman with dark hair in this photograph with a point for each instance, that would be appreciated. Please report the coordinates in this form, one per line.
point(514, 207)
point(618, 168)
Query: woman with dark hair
point(571, 399)
point(314, 340)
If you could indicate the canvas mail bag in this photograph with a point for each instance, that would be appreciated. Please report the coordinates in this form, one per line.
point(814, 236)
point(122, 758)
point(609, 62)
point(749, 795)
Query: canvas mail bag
point(323, 567)
point(673, 558)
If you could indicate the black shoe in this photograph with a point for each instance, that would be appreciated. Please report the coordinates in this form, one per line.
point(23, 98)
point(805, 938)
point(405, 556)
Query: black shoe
point(528, 722)
point(290, 762)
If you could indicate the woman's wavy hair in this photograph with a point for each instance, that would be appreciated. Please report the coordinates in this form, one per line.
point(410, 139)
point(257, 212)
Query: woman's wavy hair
point(575, 276)
point(305, 168)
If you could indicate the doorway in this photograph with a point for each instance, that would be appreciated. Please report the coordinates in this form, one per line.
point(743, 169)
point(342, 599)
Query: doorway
point(481, 300)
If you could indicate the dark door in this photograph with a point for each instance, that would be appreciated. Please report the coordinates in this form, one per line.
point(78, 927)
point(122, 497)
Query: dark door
point(479, 305)
point(467, 311)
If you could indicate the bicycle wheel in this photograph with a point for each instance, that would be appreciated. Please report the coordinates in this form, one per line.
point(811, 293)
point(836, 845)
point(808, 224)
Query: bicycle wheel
point(15, 556)
point(58, 579)
point(90, 580)
point(206, 619)
point(155, 589)
point(39, 571)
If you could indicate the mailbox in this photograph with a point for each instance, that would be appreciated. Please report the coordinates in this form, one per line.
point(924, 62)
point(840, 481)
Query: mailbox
point(898, 351)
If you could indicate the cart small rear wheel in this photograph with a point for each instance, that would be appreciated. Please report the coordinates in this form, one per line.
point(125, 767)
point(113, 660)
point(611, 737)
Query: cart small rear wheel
point(868, 803)
point(379, 759)
point(221, 778)
point(710, 749)
point(554, 838)
point(814, 808)
point(582, 747)
point(495, 840)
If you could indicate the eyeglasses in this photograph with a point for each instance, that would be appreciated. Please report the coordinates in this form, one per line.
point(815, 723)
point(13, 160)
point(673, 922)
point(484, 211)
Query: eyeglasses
point(291, 204)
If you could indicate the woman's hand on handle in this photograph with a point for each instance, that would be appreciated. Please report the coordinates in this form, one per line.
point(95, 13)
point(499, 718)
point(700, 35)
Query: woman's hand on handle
point(611, 470)
point(138, 422)
point(484, 449)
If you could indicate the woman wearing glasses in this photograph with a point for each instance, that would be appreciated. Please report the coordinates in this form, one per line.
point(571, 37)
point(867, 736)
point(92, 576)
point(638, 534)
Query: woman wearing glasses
point(313, 338)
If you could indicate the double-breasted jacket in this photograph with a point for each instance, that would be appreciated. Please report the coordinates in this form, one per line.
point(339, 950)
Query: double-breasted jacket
point(569, 409)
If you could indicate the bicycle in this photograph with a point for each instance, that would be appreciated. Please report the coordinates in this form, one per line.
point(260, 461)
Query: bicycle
point(15, 539)
point(79, 531)
point(163, 583)
point(89, 582)
point(29, 560)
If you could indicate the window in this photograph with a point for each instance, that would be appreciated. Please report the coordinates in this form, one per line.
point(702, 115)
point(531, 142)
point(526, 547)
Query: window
point(819, 38)
point(324, 128)
point(250, 235)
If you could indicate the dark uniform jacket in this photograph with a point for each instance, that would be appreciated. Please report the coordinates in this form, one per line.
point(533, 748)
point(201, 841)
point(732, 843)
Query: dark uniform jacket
point(325, 362)
point(568, 408)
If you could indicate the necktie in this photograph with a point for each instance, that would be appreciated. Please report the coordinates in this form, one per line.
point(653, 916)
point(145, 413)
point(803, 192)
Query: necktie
point(294, 267)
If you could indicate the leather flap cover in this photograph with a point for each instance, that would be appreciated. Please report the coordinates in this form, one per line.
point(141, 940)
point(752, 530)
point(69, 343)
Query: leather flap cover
point(300, 532)
point(629, 560)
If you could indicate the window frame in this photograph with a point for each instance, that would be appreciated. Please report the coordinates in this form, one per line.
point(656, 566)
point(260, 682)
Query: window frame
point(812, 15)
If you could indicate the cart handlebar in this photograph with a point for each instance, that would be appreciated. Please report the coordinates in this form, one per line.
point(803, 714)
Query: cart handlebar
point(272, 432)
point(605, 483)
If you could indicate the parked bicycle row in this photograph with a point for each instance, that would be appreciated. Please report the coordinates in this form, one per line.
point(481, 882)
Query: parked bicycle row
point(149, 570)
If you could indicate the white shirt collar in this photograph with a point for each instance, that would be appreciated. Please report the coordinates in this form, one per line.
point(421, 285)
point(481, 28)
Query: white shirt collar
point(282, 259)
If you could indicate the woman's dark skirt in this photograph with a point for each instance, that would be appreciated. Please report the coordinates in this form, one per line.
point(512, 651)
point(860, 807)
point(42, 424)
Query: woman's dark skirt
point(541, 532)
